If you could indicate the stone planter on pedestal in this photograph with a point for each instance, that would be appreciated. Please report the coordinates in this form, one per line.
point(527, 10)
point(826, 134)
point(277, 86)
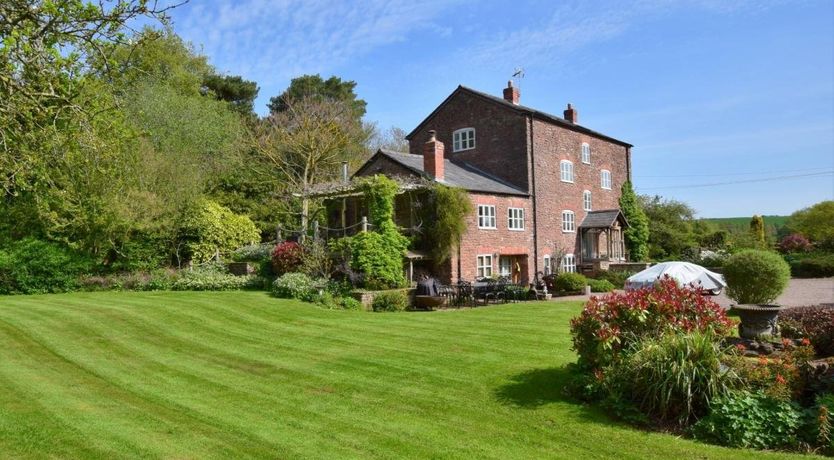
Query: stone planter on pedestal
point(758, 321)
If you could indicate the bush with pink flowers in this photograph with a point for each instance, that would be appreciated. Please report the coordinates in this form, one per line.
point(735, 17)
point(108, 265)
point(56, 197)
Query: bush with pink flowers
point(610, 324)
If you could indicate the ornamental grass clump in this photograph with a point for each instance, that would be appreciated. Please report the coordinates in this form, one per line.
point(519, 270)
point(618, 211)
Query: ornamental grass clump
point(610, 324)
point(675, 377)
point(756, 277)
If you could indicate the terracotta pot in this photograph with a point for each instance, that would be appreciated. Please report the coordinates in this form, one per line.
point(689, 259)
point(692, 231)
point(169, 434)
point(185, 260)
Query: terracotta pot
point(758, 321)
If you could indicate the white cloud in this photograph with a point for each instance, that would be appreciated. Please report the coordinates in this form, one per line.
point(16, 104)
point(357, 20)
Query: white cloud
point(573, 25)
point(275, 40)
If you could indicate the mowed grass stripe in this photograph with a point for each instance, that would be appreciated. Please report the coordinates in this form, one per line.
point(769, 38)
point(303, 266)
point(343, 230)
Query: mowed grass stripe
point(219, 375)
point(86, 332)
point(93, 333)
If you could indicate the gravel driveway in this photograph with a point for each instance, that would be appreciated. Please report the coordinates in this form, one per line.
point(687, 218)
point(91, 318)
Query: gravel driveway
point(800, 292)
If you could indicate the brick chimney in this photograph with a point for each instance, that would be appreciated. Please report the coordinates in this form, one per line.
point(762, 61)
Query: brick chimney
point(571, 114)
point(511, 93)
point(433, 156)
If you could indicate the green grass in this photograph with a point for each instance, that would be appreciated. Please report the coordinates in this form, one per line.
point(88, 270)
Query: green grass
point(241, 375)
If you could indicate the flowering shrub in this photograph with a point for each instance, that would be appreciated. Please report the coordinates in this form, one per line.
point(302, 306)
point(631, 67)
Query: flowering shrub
point(287, 257)
point(794, 243)
point(779, 377)
point(611, 323)
point(294, 286)
point(813, 323)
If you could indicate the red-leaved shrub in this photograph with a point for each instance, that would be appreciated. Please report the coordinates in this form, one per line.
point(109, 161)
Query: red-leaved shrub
point(612, 323)
point(813, 323)
point(794, 243)
point(287, 257)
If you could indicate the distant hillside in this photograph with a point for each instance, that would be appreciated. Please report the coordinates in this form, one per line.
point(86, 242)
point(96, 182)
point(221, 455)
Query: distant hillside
point(742, 224)
point(727, 222)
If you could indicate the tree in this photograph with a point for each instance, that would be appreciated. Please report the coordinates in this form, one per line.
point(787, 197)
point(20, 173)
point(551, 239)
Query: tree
point(304, 145)
point(45, 100)
point(239, 93)
point(313, 87)
point(815, 223)
point(757, 231)
point(671, 232)
point(637, 233)
point(392, 138)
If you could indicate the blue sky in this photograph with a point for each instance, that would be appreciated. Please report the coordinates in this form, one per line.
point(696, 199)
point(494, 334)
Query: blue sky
point(716, 95)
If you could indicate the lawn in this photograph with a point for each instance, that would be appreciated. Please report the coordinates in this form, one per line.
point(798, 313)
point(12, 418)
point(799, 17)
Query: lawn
point(238, 375)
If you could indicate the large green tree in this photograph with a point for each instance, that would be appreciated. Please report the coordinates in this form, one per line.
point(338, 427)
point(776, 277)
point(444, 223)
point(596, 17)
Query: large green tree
point(313, 87)
point(816, 223)
point(637, 233)
point(46, 99)
point(671, 234)
point(239, 93)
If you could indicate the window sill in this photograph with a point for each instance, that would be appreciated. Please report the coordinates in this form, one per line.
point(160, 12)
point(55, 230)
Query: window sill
point(567, 181)
point(515, 229)
point(462, 150)
point(487, 228)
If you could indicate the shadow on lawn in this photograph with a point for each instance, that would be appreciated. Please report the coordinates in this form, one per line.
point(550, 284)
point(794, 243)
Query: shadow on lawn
point(536, 387)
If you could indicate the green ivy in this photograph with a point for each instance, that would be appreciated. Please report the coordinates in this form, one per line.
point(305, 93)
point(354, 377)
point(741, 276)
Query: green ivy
point(636, 235)
point(378, 254)
point(451, 206)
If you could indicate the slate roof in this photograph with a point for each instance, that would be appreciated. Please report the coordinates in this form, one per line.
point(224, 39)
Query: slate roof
point(603, 219)
point(455, 174)
point(521, 109)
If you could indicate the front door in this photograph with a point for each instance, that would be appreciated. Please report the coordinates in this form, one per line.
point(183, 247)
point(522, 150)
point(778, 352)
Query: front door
point(510, 267)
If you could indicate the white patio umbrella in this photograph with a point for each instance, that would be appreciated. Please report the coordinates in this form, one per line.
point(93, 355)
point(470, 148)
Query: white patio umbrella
point(682, 272)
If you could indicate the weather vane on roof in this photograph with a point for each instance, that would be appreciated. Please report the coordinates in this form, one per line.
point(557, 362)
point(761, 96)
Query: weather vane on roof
point(518, 74)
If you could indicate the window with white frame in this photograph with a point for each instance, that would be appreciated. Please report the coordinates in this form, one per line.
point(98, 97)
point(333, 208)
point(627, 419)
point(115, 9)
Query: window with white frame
point(515, 218)
point(569, 263)
point(484, 266)
point(505, 266)
point(463, 139)
point(586, 153)
point(548, 269)
point(605, 179)
point(568, 221)
point(486, 216)
point(566, 171)
point(586, 200)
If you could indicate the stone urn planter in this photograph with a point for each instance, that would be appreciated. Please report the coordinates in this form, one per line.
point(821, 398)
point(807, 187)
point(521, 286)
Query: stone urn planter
point(758, 321)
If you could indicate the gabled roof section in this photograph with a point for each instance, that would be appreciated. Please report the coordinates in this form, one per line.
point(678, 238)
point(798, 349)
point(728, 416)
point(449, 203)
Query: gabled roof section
point(603, 219)
point(520, 109)
point(456, 175)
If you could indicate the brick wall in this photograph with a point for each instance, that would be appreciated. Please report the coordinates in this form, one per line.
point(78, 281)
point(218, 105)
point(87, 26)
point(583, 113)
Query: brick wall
point(500, 136)
point(551, 144)
point(477, 241)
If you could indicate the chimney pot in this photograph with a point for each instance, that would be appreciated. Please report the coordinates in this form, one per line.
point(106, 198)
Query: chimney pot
point(511, 93)
point(571, 114)
point(433, 158)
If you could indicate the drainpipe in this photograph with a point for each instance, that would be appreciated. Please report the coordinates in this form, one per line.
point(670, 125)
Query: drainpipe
point(533, 189)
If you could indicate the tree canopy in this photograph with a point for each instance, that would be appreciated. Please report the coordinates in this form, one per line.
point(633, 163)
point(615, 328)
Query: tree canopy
point(313, 87)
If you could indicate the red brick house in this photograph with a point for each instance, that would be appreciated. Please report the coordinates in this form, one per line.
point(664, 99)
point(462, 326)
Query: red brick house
point(545, 189)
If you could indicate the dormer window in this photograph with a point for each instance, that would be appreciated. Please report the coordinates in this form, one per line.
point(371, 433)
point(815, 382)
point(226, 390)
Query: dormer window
point(586, 153)
point(463, 139)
